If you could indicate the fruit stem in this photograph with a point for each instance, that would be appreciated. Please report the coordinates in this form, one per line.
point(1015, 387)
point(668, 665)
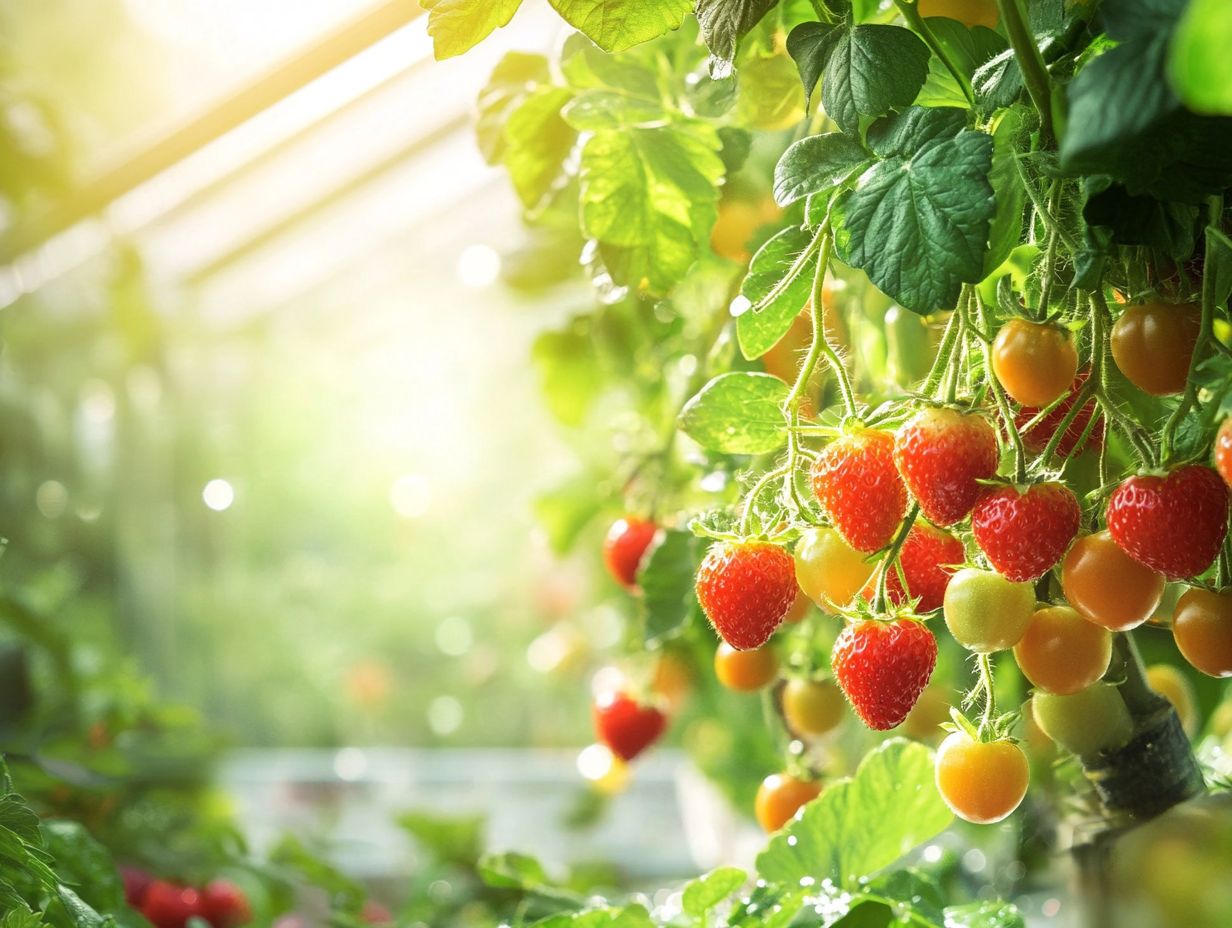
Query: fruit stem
point(880, 602)
point(1003, 406)
point(1031, 63)
point(1139, 698)
point(984, 661)
point(1049, 266)
point(1063, 427)
point(942, 362)
point(746, 516)
point(1041, 208)
point(911, 13)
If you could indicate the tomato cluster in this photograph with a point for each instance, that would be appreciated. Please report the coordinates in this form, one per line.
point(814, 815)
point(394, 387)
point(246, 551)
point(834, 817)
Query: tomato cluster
point(165, 904)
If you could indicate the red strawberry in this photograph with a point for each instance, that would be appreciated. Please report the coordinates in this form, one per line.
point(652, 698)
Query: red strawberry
point(373, 913)
point(224, 905)
point(1223, 451)
point(883, 668)
point(1025, 534)
point(928, 558)
point(942, 453)
point(1039, 435)
point(168, 905)
point(626, 726)
point(746, 589)
point(860, 488)
point(624, 547)
point(1173, 524)
point(136, 882)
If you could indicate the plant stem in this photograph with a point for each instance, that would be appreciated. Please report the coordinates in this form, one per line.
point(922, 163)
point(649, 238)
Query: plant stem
point(1031, 63)
point(942, 362)
point(1139, 698)
point(984, 661)
point(880, 603)
point(1003, 406)
point(746, 516)
point(911, 13)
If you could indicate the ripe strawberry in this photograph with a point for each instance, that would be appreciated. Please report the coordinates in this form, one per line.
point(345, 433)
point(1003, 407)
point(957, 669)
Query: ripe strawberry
point(883, 667)
point(942, 453)
point(1173, 524)
point(625, 546)
point(224, 905)
point(168, 905)
point(860, 489)
point(928, 559)
point(626, 726)
point(1223, 451)
point(1037, 437)
point(746, 589)
point(1025, 534)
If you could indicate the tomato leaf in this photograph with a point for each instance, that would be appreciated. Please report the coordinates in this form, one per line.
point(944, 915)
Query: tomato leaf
point(704, 893)
point(814, 164)
point(1141, 220)
point(737, 413)
point(723, 24)
point(457, 26)
point(538, 140)
point(615, 25)
point(1199, 63)
point(989, 914)
point(668, 602)
point(758, 332)
point(515, 78)
point(1005, 231)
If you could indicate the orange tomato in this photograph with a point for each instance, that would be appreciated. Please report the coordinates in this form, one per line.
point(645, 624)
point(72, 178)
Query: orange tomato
point(745, 671)
point(1107, 586)
point(1153, 343)
point(780, 796)
point(982, 782)
point(1035, 362)
point(813, 707)
point(1062, 652)
point(1202, 626)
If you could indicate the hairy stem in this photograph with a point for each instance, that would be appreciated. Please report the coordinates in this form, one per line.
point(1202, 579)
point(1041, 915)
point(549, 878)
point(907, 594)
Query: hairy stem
point(1031, 63)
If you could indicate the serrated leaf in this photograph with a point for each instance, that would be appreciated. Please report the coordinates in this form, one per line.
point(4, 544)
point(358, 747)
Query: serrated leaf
point(917, 222)
point(724, 23)
point(1199, 63)
point(585, 66)
point(737, 413)
point(860, 826)
point(615, 25)
point(814, 164)
point(81, 914)
point(1005, 231)
point(758, 332)
point(992, 914)
point(666, 580)
point(997, 82)
point(457, 26)
point(514, 78)
point(538, 140)
point(704, 893)
point(596, 110)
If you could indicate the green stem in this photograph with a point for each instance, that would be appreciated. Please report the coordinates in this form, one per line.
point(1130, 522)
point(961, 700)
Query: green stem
point(911, 13)
point(1139, 698)
point(942, 362)
point(1031, 63)
point(796, 269)
point(746, 516)
point(987, 684)
point(1003, 405)
point(1049, 265)
point(880, 602)
point(1041, 208)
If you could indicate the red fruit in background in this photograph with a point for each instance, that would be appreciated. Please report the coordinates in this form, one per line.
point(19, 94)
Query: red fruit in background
point(1025, 534)
point(168, 905)
point(1037, 437)
point(860, 488)
point(136, 882)
point(1173, 524)
point(624, 547)
point(224, 905)
point(1223, 451)
point(746, 589)
point(941, 454)
point(883, 667)
point(626, 726)
point(928, 559)
point(376, 914)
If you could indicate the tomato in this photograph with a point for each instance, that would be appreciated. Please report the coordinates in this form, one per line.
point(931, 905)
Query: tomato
point(745, 671)
point(780, 796)
point(1035, 362)
point(1062, 652)
point(737, 221)
point(1202, 626)
point(986, 612)
point(829, 570)
point(168, 905)
point(1086, 722)
point(968, 12)
point(813, 707)
point(1173, 686)
point(1153, 343)
point(225, 905)
point(672, 679)
point(1107, 586)
point(1223, 451)
point(982, 782)
point(924, 721)
point(625, 725)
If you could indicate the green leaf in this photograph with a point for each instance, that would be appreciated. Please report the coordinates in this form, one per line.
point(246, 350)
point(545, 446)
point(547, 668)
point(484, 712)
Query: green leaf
point(704, 893)
point(814, 164)
point(511, 870)
point(867, 70)
point(569, 377)
point(565, 510)
point(516, 77)
point(968, 49)
point(17, 917)
point(1220, 249)
point(1199, 64)
point(1141, 220)
point(615, 25)
point(585, 66)
point(79, 912)
point(666, 578)
point(596, 110)
point(457, 26)
point(85, 864)
point(758, 332)
point(450, 839)
point(991, 914)
point(538, 140)
point(1005, 232)
point(918, 222)
point(737, 413)
point(723, 24)
point(858, 827)
point(997, 82)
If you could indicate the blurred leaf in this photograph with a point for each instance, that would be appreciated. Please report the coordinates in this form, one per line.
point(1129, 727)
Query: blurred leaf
point(450, 839)
point(737, 413)
point(1005, 231)
point(816, 163)
point(516, 77)
point(614, 25)
point(569, 377)
point(1199, 63)
point(758, 332)
point(79, 912)
point(345, 893)
point(15, 917)
point(596, 110)
point(995, 914)
point(511, 870)
point(458, 25)
point(565, 510)
point(84, 864)
point(724, 23)
point(666, 579)
point(704, 893)
point(538, 140)
point(767, 907)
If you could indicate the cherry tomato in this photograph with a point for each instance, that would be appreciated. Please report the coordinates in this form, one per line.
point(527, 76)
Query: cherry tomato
point(1173, 686)
point(930, 712)
point(1223, 451)
point(982, 782)
point(746, 671)
point(168, 905)
point(224, 905)
point(672, 679)
point(813, 707)
point(625, 546)
point(799, 608)
point(986, 612)
point(1086, 722)
point(780, 796)
point(1107, 586)
point(625, 725)
point(1062, 652)
point(1202, 626)
point(968, 12)
point(1034, 362)
point(1153, 344)
point(829, 570)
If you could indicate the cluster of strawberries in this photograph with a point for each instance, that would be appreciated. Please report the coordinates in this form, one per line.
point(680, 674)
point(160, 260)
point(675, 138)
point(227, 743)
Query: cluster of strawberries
point(165, 904)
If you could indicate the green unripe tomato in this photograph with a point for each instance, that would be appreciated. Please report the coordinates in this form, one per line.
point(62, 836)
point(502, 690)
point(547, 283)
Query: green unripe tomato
point(1086, 722)
point(985, 612)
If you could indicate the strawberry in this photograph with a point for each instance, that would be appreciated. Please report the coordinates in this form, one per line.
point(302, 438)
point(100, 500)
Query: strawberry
point(928, 559)
point(1223, 451)
point(1174, 524)
point(883, 667)
point(168, 905)
point(1024, 534)
point(626, 726)
point(625, 546)
point(942, 454)
point(224, 905)
point(1037, 437)
point(746, 589)
point(860, 489)
point(136, 882)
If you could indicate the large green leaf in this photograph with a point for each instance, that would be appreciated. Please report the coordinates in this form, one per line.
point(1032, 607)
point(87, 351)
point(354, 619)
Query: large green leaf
point(1200, 65)
point(666, 579)
point(704, 893)
point(814, 164)
point(1005, 232)
point(758, 332)
point(615, 25)
point(724, 23)
point(514, 78)
point(538, 140)
point(858, 827)
point(990, 914)
point(457, 26)
point(737, 413)
point(918, 221)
